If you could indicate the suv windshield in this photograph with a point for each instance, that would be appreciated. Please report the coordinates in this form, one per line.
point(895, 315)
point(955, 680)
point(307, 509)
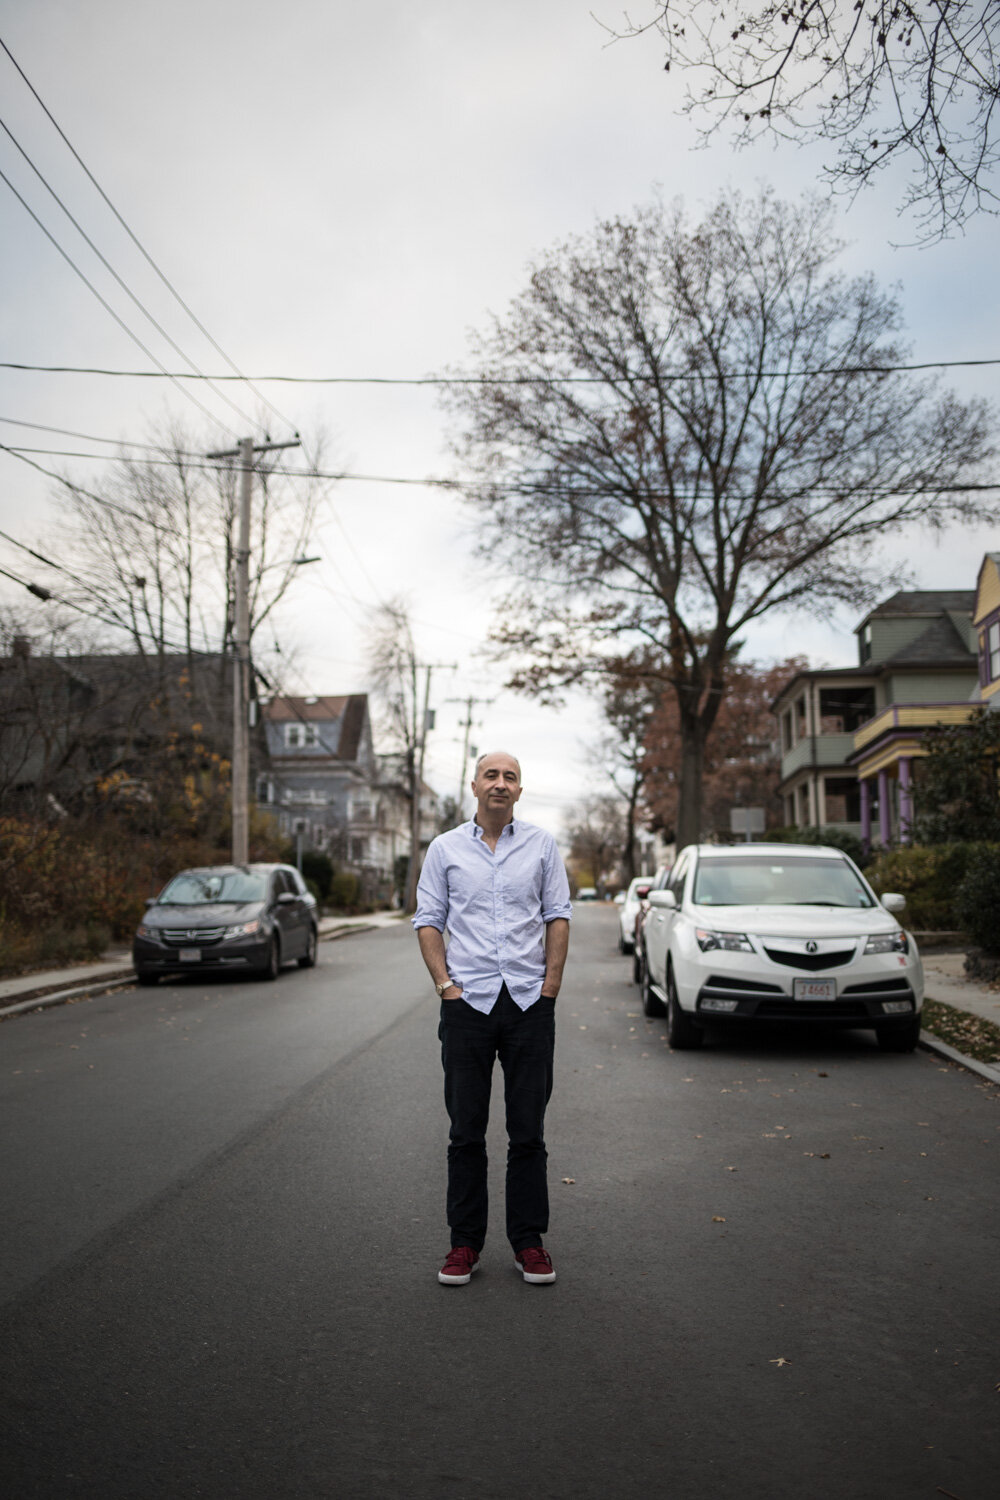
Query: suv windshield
point(203, 887)
point(772, 881)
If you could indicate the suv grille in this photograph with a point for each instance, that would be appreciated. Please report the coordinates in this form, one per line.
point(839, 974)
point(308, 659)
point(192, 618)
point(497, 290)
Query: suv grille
point(811, 961)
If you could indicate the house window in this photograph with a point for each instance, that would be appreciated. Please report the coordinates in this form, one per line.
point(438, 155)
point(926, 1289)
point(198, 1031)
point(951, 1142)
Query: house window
point(993, 649)
point(265, 791)
point(866, 643)
point(359, 850)
point(362, 811)
point(299, 736)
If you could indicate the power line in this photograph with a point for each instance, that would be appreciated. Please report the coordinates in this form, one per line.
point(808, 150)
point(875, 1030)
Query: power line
point(120, 280)
point(433, 482)
point(664, 376)
point(160, 367)
point(89, 437)
point(238, 375)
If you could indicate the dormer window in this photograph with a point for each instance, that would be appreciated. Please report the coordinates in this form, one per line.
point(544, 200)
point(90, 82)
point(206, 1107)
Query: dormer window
point(866, 643)
point(300, 736)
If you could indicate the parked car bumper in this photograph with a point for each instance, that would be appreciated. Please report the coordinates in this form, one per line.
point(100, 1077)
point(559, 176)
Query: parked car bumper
point(237, 953)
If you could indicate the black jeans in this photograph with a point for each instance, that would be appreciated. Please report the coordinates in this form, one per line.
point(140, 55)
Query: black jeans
point(523, 1040)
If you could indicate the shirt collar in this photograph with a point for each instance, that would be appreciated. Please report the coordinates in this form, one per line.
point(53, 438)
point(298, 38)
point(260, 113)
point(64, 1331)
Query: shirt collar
point(477, 832)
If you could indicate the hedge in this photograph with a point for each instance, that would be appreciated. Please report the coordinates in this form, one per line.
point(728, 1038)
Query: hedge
point(929, 876)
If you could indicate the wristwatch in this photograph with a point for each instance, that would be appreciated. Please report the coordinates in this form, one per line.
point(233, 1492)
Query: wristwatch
point(446, 984)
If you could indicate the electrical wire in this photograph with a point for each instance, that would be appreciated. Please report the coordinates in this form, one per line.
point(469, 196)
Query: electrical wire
point(431, 482)
point(515, 380)
point(237, 375)
point(160, 367)
point(121, 282)
point(89, 437)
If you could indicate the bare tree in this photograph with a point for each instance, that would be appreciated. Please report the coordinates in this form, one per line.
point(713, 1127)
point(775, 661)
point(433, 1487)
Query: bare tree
point(596, 833)
point(151, 548)
point(676, 430)
point(883, 81)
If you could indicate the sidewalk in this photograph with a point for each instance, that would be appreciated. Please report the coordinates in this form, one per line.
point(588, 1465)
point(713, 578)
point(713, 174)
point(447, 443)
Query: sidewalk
point(54, 986)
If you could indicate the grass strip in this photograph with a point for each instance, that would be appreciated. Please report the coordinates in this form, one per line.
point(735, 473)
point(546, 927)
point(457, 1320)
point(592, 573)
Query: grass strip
point(971, 1034)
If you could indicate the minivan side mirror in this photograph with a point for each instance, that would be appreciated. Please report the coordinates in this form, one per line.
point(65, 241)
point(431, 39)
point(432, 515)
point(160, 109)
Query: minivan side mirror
point(285, 898)
point(150, 900)
point(893, 901)
point(666, 900)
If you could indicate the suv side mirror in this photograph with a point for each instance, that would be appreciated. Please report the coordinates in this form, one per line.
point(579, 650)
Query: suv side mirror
point(893, 901)
point(665, 900)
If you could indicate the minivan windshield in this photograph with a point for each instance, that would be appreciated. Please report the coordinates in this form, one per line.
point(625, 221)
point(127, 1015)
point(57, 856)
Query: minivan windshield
point(742, 880)
point(208, 887)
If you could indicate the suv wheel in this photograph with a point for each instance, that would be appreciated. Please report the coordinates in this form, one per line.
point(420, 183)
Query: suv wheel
point(899, 1038)
point(682, 1034)
point(652, 1005)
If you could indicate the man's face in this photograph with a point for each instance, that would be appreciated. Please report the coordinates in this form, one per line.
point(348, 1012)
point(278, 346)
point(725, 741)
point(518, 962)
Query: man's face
point(497, 785)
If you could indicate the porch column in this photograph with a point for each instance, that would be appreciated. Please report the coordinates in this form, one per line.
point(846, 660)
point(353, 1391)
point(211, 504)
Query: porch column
point(884, 823)
point(905, 800)
point(866, 814)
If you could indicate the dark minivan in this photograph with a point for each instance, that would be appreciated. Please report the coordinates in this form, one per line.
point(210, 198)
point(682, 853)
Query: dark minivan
point(249, 918)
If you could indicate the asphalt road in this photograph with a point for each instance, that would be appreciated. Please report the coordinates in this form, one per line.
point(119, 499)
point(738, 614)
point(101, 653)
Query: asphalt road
point(778, 1258)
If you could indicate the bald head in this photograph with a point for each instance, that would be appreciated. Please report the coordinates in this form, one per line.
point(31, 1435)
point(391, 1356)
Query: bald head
point(489, 756)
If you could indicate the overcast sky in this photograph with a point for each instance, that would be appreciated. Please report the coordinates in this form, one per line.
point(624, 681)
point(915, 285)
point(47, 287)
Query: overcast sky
point(345, 189)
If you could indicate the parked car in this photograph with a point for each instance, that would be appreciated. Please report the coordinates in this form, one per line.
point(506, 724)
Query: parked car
point(244, 918)
point(629, 911)
point(657, 883)
point(775, 932)
point(586, 893)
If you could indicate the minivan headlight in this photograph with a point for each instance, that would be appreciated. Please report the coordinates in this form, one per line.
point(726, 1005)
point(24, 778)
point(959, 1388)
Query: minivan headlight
point(144, 931)
point(242, 929)
point(729, 942)
point(888, 942)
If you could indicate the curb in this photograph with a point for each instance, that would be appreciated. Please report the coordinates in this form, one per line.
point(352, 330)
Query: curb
point(933, 1043)
point(124, 977)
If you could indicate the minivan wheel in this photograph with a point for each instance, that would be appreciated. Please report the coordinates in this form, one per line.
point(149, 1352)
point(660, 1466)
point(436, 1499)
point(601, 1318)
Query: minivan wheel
point(308, 959)
point(682, 1034)
point(652, 1005)
point(899, 1038)
point(272, 967)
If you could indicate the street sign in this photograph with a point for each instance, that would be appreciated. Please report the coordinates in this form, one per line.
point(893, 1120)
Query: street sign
point(746, 820)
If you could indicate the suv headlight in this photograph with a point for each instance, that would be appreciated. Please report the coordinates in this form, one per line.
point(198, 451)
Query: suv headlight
point(242, 929)
point(144, 931)
point(729, 942)
point(888, 942)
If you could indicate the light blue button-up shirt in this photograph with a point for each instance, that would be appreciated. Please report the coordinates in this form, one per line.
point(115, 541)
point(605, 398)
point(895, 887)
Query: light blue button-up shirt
point(495, 907)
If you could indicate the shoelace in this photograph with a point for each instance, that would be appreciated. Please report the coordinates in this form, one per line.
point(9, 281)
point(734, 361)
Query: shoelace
point(536, 1256)
point(461, 1255)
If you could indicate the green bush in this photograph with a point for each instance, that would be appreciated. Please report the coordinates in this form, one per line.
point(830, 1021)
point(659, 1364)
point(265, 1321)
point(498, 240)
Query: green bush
point(976, 904)
point(929, 876)
point(344, 890)
point(317, 870)
point(833, 838)
point(314, 890)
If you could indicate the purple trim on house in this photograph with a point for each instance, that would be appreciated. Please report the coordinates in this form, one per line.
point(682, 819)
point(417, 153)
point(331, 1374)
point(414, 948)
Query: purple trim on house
point(866, 815)
point(905, 800)
point(884, 825)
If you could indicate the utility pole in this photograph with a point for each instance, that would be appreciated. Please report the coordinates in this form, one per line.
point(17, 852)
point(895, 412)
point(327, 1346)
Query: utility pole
point(244, 455)
point(413, 872)
point(466, 724)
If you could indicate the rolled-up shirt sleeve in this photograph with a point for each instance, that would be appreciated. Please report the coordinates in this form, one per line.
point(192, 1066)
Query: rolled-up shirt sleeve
point(555, 887)
point(432, 892)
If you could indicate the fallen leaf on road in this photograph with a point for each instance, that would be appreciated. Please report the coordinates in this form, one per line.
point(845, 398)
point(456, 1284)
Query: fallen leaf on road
point(569, 1181)
point(779, 1361)
point(822, 1075)
point(732, 1169)
point(718, 1219)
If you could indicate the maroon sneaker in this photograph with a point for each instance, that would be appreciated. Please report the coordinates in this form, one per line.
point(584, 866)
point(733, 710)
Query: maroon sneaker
point(458, 1268)
point(534, 1264)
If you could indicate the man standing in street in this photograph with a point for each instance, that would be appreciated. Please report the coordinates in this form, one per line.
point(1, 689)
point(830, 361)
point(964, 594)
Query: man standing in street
point(498, 885)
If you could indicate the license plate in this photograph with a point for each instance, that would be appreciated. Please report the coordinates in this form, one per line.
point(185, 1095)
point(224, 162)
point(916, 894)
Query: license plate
point(189, 955)
point(815, 989)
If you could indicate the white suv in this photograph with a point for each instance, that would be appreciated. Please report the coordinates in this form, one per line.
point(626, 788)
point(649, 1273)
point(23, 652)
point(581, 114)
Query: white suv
point(778, 932)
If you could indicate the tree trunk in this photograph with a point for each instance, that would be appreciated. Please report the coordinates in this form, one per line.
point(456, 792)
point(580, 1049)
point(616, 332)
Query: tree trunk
point(689, 787)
